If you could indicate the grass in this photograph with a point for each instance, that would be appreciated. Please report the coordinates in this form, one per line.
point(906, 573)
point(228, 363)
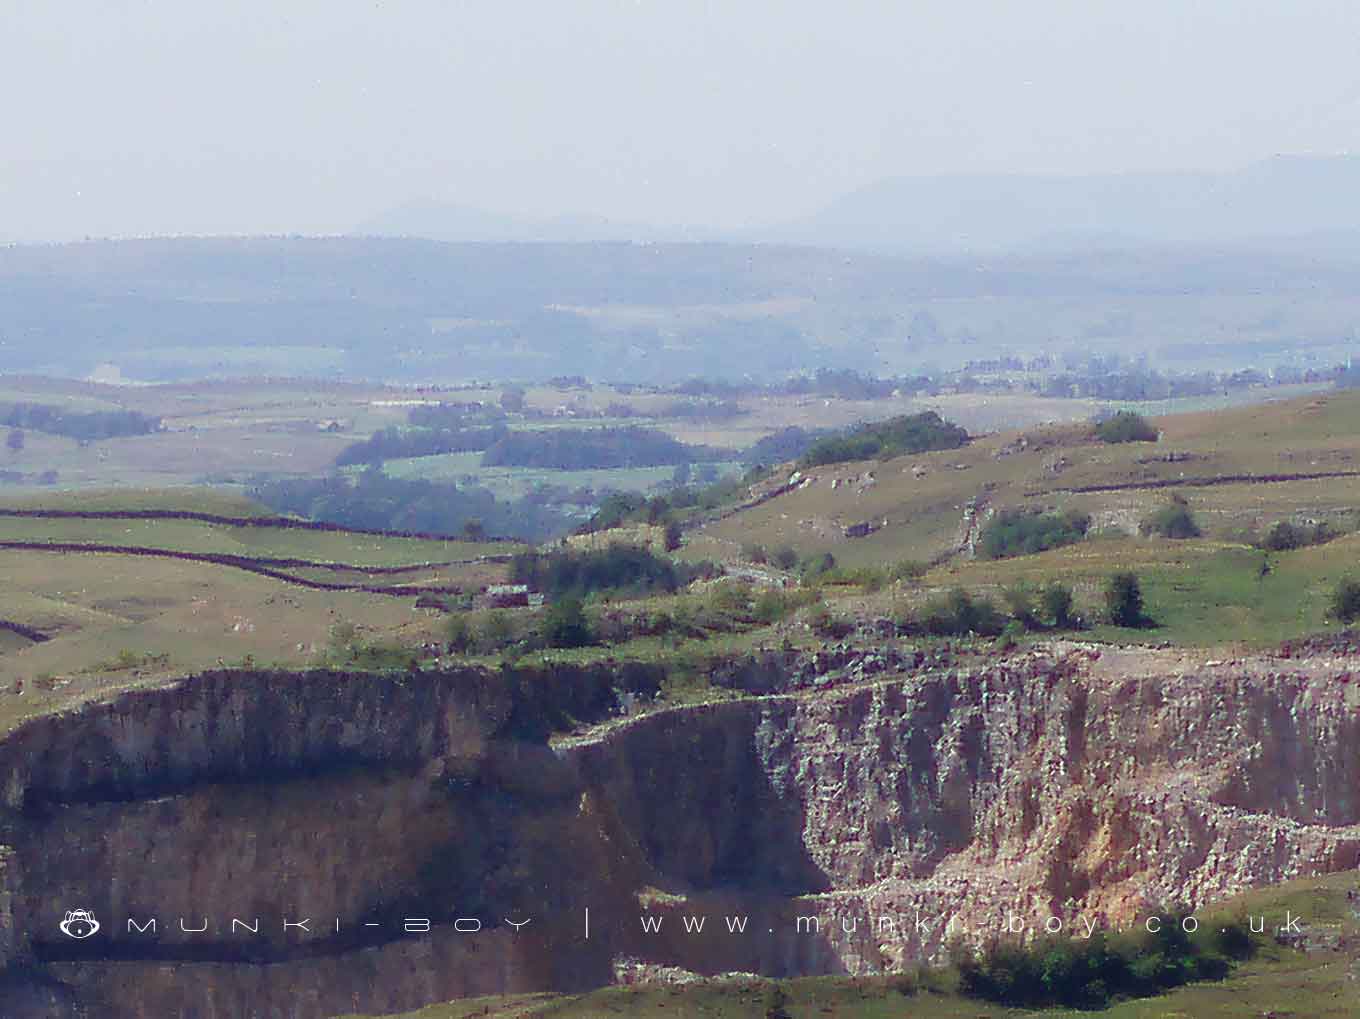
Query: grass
point(1198, 592)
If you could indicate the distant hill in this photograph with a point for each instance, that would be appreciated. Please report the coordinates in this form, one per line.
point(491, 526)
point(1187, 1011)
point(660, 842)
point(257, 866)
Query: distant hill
point(409, 309)
point(1288, 196)
point(448, 221)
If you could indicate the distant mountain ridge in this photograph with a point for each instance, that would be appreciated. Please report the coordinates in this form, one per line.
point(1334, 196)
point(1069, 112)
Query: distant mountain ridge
point(449, 221)
point(1283, 197)
point(1286, 197)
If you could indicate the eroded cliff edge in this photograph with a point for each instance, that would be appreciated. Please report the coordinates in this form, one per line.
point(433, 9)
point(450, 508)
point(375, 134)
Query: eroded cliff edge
point(1041, 784)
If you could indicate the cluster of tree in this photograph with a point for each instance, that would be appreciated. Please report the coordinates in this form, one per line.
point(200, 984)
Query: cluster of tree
point(619, 568)
point(1286, 535)
point(83, 425)
point(913, 433)
point(1015, 532)
point(590, 448)
point(1126, 426)
point(453, 415)
point(782, 446)
point(396, 443)
point(1346, 600)
point(1091, 973)
point(1174, 520)
point(374, 500)
point(958, 613)
point(621, 508)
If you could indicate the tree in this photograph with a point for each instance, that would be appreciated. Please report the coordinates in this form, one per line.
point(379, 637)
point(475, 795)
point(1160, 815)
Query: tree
point(1057, 600)
point(1126, 426)
point(459, 633)
point(15, 440)
point(1173, 520)
point(565, 625)
point(474, 530)
point(497, 630)
point(1124, 600)
point(1346, 600)
point(512, 399)
point(673, 536)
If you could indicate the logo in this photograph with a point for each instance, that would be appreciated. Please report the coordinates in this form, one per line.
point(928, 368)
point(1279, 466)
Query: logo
point(79, 924)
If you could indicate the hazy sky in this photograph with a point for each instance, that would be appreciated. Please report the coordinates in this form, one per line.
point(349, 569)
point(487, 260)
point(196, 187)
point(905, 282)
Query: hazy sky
point(307, 116)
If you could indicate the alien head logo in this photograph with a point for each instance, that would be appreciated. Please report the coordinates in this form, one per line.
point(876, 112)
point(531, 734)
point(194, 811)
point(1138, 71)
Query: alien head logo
point(79, 924)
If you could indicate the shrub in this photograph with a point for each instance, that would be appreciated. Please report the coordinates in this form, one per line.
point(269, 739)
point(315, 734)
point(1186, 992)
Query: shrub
point(908, 569)
point(1019, 601)
point(619, 567)
point(958, 614)
point(914, 433)
point(458, 632)
point(785, 557)
point(674, 536)
point(564, 624)
point(1090, 973)
point(1124, 600)
point(814, 566)
point(1011, 635)
point(1173, 520)
point(1285, 535)
point(771, 606)
point(1057, 599)
point(1126, 426)
point(496, 631)
point(1346, 600)
point(826, 625)
point(1014, 532)
point(754, 553)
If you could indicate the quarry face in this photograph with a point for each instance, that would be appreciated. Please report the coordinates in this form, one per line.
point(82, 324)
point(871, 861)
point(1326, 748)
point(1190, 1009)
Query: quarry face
point(850, 828)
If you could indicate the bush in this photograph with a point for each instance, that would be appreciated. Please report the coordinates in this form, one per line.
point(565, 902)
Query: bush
point(958, 614)
point(814, 566)
point(1011, 635)
point(674, 536)
point(914, 433)
point(1019, 601)
point(1126, 426)
point(1090, 973)
point(1173, 520)
point(1013, 532)
point(908, 569)
point(754, 553)
point(496, 631)
point(785, 557)
point(1057, 599)
point(1285, 535)
point(458, 632)
point(826, 625)
point(627, 568)
point(564, 624)
point(1346, 601)
point(1124, 600)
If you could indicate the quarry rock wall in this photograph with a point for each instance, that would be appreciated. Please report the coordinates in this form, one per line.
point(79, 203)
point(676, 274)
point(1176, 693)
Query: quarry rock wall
point(1035, 785)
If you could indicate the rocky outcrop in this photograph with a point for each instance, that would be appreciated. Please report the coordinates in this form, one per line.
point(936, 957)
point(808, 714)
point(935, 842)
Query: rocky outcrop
point(1035, 785)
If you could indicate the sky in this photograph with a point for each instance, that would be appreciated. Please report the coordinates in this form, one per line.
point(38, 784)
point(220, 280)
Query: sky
point(129, 118)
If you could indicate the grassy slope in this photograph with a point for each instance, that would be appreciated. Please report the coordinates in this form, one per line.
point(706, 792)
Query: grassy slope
point(1204, 591)
point(1279, 981)
point(96, 606)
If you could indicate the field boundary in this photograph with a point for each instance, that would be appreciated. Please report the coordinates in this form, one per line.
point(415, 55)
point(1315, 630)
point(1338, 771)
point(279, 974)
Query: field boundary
point(27, 632)
point(293, 523)
point(1205, 481)
point(262, 567)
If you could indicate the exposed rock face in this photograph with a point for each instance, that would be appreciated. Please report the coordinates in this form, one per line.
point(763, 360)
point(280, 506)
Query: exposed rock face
point(1034, 787)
